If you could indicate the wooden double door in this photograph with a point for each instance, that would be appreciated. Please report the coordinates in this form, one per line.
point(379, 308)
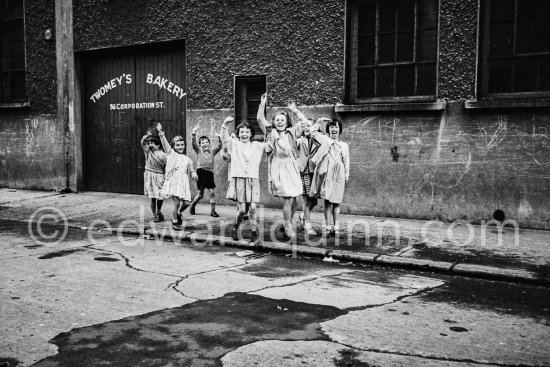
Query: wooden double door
point(126, 91)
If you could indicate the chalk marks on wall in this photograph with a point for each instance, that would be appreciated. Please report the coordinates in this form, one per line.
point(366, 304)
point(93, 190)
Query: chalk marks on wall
point(31, 145)
point(366, 149)
point(493, 139)
point(410, 155)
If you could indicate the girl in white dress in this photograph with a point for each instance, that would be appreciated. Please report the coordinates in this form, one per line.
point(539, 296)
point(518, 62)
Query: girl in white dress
point(284, 176)
point(176, 180)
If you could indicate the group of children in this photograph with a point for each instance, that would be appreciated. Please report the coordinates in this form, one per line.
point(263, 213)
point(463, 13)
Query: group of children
point(304, 159)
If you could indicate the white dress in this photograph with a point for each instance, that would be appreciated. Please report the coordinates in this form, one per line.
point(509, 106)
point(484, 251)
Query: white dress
point(285, 180)
point(176, 180)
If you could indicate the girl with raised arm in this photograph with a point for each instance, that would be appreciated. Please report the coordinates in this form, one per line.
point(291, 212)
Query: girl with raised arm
point(153, 177)
point(284, 176)
point(244, 183)
point(176, 180)
point(331, 175)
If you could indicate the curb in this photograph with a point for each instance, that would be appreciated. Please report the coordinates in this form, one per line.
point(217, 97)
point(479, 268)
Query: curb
point(461, 269)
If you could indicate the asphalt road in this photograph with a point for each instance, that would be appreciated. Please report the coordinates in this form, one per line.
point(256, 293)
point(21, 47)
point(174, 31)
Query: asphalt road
point(99, 299)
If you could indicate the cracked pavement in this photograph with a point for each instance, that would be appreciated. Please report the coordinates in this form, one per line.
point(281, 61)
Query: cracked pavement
point(100, 298)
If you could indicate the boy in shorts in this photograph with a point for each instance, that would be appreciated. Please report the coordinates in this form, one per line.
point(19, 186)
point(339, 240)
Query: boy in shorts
point(205, 170)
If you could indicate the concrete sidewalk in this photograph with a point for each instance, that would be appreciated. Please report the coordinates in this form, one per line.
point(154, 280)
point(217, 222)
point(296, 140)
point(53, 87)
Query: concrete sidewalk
point(508, 253)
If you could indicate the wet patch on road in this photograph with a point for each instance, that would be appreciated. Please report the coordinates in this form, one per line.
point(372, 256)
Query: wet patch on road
point(280, 267)
point(501, 297)
point(8, 362)
point(33, 246)
point(105, 258)
point(61, 253)
point(349, 358)
point(198, 333)
point(480, 257)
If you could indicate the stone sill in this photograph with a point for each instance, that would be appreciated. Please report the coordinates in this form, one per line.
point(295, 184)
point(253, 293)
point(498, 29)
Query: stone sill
point(511, 103)
point(15, 105)
point(402, 106)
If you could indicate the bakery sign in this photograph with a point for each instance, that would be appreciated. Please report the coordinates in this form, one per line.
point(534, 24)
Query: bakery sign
point(124, 79)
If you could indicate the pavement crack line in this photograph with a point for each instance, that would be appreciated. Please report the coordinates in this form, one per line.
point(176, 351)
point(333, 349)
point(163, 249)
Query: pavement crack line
point(300, 281)
point(174, 285)
point(397, 299)
point(128, 264)
point(435, 358)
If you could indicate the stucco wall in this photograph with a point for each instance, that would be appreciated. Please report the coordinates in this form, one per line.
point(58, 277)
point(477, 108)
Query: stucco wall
point(40, 57)
point(457, 49)
point(298, 44)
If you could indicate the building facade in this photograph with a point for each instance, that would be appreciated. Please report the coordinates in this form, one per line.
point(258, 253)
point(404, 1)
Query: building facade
point(445, 104)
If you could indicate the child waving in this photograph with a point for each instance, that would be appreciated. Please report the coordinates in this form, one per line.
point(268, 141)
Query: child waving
point(331, 175)
point(153, 177)
point(176, 180)
point(284, 176)
point(205, 169)
point(244, 183)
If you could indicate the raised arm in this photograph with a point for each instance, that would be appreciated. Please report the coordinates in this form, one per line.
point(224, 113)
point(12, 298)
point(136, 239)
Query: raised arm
point(262, 121)
point(144, 145)
point(165, 144)
point(194, 139)
point(224, 135)
point(219, 146)
point(302, 119)
point(345, 154)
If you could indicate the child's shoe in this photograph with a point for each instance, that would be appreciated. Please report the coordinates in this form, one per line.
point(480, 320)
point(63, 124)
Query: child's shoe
point(160, 216)
point(156, 218)
point(336, 230)
point(214, 214)
point(327, 230)
point(302, 223)
point(175, 225)
point(192, 210)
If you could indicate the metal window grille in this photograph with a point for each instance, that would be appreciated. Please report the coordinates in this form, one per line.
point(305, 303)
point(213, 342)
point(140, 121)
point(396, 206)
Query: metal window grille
point(515, 58)
point(12, 51)
point(393, 50)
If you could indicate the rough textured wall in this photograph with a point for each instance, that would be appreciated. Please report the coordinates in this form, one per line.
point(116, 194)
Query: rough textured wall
point(40, 56)
point(451, 166)
point(298, 44)
point(457, 49)
point(31, 153)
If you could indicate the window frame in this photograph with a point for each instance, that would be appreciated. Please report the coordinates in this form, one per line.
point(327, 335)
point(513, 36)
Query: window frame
point(23, 101)
point(351, 54)
point(240, 85)
point(483, 76)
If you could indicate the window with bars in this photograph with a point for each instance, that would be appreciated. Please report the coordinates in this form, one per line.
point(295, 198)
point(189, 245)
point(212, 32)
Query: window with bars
point(515, 57)
point(12, 52)
point(392, 50)
point(248, 92)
